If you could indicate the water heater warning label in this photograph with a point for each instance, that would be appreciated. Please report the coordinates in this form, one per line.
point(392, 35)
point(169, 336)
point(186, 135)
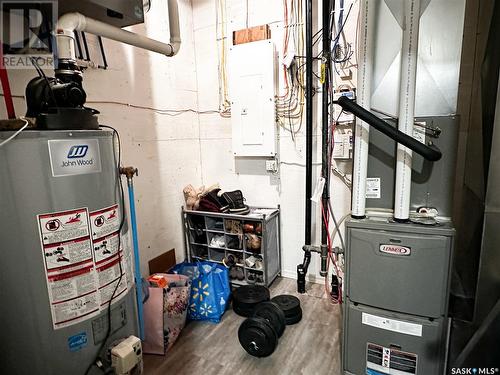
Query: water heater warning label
point(69, 266)
point(105, 227)
point(82, 262)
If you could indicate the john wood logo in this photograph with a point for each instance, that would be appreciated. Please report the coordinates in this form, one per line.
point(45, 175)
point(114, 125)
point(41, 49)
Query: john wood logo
point(77, 151)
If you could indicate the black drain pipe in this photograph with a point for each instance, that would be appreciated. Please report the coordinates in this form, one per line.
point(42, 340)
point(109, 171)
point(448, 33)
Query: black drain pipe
point(325, 139)
point(302, 268)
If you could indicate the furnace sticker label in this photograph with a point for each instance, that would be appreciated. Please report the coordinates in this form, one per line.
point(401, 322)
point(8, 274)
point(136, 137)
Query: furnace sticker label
point(74, 156)
point(373, 187)
point(389, 361)
point(419, 132)
point(69, 266)
point(393, 325)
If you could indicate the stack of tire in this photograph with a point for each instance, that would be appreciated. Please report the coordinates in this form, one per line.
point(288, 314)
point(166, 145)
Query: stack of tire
point(266, 319)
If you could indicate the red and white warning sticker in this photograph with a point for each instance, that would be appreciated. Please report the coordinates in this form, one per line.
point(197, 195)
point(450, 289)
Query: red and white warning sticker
point(63, 226)
point(108, 274)
point(82, 262)
point(105, 248)
point(105, 222)
point(108, 258)
point(69, 266)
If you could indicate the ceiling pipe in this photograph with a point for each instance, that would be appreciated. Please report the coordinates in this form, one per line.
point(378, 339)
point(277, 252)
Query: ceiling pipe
point(409, 55)
point(362, 129)
point(70, 22)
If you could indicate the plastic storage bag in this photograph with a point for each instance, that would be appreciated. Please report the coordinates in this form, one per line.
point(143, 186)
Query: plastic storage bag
point(165, 313)
point(210, 289)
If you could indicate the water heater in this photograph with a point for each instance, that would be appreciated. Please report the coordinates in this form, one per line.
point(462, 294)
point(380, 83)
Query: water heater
point(60, 214)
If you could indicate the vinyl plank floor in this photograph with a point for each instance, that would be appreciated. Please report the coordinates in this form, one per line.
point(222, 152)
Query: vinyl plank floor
point(311, 347)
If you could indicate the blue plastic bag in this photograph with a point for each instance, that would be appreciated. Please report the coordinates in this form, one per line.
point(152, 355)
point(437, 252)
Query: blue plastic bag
point(210, 289)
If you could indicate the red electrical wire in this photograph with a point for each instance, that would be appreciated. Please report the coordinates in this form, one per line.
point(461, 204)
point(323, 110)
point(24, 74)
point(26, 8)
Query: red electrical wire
point(330, 256)
point(4, 78)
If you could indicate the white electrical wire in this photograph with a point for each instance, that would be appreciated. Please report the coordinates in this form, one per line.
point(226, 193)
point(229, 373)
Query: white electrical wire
point(16, 133)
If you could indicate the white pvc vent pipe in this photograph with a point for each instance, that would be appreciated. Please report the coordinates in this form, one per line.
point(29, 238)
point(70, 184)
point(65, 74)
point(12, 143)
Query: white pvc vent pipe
point(409, 55)
point(362, 129)
point(70, 22)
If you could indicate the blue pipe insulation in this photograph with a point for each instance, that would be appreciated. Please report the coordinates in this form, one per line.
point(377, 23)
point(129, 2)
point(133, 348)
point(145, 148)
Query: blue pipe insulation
point(137, 269)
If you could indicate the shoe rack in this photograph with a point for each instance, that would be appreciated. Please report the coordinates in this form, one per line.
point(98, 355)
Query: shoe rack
point(253, 240)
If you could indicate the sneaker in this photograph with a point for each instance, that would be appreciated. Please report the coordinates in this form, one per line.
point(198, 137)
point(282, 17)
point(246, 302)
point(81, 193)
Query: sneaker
point(251, 278)
point(213, 196)
point(229, 261)
point(218, 241)
point(258, 264)
point(250, 261)
point(232, 273)
point(240, 274)
point(235, 201)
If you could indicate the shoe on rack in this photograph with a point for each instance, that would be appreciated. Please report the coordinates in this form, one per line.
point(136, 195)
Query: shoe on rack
point(214, 198)
point(258, 264)
point(218, 241)
point(251, 278)
point(235, 201)
point(229, 261)
point(250, 261)
point(232, 273)
point(240, 274)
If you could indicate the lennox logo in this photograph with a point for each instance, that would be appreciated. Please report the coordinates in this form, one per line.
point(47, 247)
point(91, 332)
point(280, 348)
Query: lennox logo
point(394, 249)
point(77, 151)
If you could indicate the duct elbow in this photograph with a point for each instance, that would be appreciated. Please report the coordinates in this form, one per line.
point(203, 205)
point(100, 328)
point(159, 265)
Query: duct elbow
point(70, 22)
point(174, 26)
point(175, 47)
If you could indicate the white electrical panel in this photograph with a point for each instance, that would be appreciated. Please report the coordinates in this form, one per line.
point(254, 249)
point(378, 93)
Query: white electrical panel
point(252, 89)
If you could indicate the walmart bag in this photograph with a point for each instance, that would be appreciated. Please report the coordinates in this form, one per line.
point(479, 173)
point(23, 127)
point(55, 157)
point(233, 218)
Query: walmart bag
point(210, 289)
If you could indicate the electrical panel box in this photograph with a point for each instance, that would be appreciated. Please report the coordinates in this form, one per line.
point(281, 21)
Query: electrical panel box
point(252, 89)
